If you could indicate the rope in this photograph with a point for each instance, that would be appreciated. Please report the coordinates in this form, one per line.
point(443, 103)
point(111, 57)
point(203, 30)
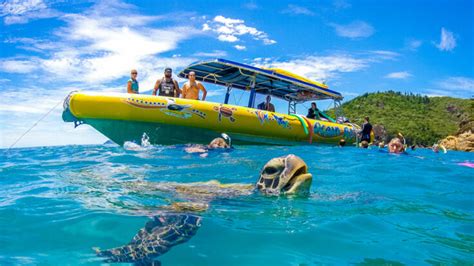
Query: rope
point(36, 123)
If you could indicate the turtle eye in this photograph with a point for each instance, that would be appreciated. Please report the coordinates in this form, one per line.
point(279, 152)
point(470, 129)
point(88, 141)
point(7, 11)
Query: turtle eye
point(270, 170)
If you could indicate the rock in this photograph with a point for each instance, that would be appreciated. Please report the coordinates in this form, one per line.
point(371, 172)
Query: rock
point(461, 142)
point(380, 133)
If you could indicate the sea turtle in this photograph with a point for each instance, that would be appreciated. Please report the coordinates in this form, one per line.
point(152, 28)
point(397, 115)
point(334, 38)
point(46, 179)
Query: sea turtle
point(287, 175)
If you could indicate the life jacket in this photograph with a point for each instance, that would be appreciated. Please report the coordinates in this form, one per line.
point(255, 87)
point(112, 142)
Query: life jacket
point(134, 85)
point(166, 88)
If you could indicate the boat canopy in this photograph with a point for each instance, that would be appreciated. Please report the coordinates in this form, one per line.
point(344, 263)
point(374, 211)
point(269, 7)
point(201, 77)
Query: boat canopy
point(269, 81)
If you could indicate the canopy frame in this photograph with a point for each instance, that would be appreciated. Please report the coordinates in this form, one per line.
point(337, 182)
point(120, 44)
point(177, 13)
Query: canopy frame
point(258, 80)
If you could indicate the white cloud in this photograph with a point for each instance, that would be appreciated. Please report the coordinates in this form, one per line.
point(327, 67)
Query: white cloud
point(328, 67)
point(228, 21)
point(383, 55)
point(297, 10)
point(250, 5)
point(22, 11)
point(99, 47)
point(458, 83)
point(18, 65)
point(447, 42)
point(231, 30)
point(398, 75)
point(215, 53)
point(318, 67)
point(341, 4)
point(354, 30)
point(452, 87)
point(227, 38)
point(240, 47)
point(413, 45)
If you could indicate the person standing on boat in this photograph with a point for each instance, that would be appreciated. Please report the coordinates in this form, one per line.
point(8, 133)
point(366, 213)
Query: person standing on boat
point(267, 105)
point(192, 87)
point(366, 130)
point(167, 86)
point(132, 83)
point(313, 112)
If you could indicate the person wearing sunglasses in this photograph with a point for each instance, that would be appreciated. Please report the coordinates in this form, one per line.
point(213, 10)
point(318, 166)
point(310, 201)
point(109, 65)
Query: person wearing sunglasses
point(132, 83)
point(192, 87)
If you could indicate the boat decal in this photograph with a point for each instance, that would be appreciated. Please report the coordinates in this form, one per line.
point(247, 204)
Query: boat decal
point(171, 107)
point(199, 113)
point(262, 116)
point(227, 112)
point(145, 104)
point(326, 131)
point(349, 133)
point(177, 114)
point(282, 121)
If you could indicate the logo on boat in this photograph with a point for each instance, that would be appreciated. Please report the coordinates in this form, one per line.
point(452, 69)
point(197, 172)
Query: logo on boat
point(226, 112)
point(349, 133)
point(326, 131)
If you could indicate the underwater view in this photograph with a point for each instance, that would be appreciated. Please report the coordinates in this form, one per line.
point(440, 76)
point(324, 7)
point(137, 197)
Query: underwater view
point(61, 205)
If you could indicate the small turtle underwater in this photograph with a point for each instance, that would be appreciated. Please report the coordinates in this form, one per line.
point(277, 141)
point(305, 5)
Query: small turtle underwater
point(287, 175)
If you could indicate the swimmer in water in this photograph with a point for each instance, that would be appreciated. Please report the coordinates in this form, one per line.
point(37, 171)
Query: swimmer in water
point(217, 143)
point(396, 146)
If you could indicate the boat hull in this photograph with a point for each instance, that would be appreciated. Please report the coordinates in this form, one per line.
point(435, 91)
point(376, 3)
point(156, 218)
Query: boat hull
point(167, 121)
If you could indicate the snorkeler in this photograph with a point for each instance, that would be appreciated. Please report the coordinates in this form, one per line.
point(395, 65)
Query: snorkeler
point(342, 143)
point(437, 147)
point(396, 146)
point(223, 142)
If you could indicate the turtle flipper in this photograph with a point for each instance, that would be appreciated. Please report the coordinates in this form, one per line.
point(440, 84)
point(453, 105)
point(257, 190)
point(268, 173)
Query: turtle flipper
point(156, 238)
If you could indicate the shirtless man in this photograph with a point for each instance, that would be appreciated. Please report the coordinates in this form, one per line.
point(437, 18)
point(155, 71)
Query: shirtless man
point(192, 87)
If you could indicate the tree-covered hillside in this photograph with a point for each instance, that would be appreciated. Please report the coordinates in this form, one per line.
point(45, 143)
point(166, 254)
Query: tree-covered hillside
point(421, 119)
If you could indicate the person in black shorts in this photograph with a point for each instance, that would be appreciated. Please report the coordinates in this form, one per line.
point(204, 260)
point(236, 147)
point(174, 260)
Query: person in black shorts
point(366, 129)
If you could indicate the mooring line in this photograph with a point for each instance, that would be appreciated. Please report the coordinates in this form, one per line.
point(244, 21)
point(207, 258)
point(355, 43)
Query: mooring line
point(36, 123)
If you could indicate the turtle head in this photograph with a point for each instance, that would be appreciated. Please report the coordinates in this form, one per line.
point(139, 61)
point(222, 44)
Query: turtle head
point(286, 175)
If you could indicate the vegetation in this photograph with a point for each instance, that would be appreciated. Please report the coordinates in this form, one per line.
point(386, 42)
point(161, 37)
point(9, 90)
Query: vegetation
point(421, 119)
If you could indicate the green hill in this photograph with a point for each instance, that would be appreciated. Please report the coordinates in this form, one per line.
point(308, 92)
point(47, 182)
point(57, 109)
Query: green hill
point(421, 119)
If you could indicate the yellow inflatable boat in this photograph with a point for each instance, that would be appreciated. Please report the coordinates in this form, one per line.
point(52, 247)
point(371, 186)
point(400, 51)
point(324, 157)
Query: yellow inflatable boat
point(126, 117)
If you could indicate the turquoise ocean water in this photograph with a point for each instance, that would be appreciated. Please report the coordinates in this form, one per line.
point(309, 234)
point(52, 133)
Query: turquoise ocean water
point(366, 207)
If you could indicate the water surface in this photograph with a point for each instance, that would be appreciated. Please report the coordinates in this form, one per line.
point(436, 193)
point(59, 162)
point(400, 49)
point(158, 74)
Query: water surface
point(366, 206)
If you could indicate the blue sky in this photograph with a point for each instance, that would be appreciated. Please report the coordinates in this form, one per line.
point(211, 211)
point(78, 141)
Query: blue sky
point(49, 48)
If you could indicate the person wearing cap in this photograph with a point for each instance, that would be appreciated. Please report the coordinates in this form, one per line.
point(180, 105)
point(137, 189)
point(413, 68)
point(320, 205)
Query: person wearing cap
point(267, 105)
point(132, 83)
point(167, 86)
point(192, 87)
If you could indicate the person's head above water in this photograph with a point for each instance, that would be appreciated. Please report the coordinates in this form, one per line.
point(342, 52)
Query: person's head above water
point(364, 144)
point(285, 175)
point(313, 105)
point(342, 142)
point(395, 146)
point(218, 143)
